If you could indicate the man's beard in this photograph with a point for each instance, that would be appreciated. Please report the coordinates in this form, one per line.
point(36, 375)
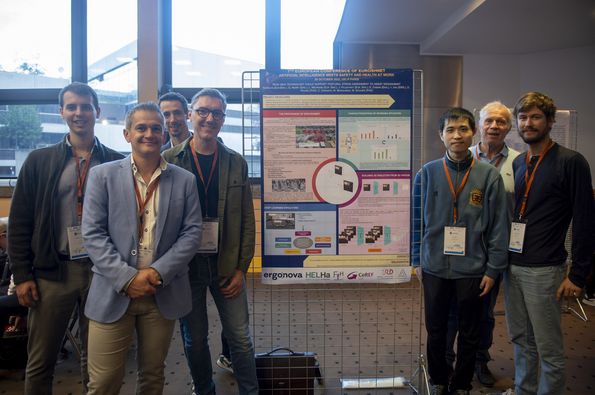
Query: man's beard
point(535, 139)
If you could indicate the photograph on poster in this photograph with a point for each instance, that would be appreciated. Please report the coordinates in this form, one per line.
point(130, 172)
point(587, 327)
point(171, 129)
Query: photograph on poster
point(280, 221)
point(316, 136)
point(289, 185)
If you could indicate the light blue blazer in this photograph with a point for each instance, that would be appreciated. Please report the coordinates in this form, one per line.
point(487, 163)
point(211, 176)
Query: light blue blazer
point(109, 228)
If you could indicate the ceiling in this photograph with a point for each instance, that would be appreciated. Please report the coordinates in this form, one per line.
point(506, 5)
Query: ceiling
point(459, 27)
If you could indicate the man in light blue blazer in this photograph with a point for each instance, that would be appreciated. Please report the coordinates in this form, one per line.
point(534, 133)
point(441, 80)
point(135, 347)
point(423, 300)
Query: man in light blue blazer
point(141, 226)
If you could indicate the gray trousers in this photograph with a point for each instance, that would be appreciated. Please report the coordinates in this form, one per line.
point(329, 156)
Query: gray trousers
point(47, 323)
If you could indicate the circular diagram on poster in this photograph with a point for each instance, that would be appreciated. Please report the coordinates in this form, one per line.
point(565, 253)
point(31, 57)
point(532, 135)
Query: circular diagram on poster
point(335, 182)
point(303, 242)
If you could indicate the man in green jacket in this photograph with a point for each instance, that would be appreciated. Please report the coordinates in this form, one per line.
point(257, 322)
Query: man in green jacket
point(227, 245)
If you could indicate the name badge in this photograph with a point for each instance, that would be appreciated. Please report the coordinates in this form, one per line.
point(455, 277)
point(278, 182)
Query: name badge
point(454, 240)
point(209, 242)
point(76, 248)
point(145, 257)
point(517, 237)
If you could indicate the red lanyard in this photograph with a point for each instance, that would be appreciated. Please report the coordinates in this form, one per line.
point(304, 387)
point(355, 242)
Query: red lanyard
point(199, 170)
point(80, 182)
point(455, 195)
point(143, 203)
point(529, 180)
point(478, 158)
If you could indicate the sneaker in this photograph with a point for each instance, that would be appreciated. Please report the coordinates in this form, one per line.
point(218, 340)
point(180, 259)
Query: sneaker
point(224, 363)
point(589, 300)
point(509, 391)
point(485, 377)
point(438, 389)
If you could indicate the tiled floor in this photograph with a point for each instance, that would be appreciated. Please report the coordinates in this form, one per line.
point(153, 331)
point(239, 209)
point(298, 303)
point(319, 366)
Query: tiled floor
point(357, 331)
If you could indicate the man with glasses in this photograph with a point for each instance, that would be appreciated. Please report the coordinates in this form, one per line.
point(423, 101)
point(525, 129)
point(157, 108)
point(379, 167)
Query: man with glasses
point(175, 110)
point(495, 120)
point(226, 249)
point(51, 268)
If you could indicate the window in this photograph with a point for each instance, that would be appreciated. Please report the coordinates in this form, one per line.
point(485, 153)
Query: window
point(213, 42)
point(308, 29)
point(112, 65)
point(35, 45)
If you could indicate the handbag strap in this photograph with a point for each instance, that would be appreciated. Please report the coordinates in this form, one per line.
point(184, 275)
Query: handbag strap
point(281, 349)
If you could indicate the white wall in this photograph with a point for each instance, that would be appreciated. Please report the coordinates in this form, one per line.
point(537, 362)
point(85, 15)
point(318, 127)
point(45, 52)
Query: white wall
point(568, 76)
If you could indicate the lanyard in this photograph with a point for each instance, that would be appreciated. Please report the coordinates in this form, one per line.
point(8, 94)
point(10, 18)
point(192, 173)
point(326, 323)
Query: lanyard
point(529, 180)
point(478, 158)
point(80, 182)
point(201, 176)
point(143, 203)
point(455, 195)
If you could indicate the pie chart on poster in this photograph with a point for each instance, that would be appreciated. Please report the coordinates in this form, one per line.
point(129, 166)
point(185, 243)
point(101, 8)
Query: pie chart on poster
point(336, 182)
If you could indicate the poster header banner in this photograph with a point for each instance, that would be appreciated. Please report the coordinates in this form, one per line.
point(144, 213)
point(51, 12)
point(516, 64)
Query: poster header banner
point(348, 88)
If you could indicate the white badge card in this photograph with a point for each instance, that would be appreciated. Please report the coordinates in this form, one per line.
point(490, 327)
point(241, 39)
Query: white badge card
point(454, 240)
point(517, 237)
point(75, 243)
point(209, 242)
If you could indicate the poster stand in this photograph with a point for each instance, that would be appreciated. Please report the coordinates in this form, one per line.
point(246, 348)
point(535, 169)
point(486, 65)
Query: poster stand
point(367, 332)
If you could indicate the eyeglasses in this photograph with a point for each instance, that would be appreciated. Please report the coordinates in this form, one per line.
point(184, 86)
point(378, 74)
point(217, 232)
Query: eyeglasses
point(204, 113)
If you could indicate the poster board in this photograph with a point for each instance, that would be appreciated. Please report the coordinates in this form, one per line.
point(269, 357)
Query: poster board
point(336, 175)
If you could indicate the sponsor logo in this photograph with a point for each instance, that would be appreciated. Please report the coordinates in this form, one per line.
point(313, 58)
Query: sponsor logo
point(319, 275)
point(356, 275)
point(281, 276)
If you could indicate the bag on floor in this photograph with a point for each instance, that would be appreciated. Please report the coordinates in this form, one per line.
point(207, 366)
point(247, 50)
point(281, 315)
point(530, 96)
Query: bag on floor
point(285, 372)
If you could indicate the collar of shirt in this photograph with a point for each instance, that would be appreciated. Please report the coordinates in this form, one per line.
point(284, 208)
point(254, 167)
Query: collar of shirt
point(68, 143)
point(484, 157)
point(162, 166)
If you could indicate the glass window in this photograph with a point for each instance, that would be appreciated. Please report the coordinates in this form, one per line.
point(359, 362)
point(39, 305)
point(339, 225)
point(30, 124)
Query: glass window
point(24, 128)
point(308, 30)
point(112, 65)
point(35, 44)
point(213, 42)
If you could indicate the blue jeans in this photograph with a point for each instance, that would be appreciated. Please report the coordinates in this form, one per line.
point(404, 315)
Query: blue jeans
point(534, 324)
point(236, 329)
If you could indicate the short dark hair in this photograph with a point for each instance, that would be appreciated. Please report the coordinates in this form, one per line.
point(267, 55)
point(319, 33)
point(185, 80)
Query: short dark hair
point(535, 99)
point(80, 89)
point(146, 106)
point(211, 92)
point(174, 96)
point(456, 113)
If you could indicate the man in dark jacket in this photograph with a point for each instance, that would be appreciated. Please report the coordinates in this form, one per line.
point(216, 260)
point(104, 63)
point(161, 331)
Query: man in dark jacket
point(227, 245)
point(51, 269)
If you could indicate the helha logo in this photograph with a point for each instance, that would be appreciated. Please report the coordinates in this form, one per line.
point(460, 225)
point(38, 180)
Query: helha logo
point(352, 276)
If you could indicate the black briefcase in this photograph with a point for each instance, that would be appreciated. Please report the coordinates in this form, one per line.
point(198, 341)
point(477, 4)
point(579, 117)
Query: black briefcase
point(285, 372)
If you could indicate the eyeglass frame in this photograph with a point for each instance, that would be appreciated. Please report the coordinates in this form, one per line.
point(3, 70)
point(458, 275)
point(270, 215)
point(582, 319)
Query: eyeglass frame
point(218, 115)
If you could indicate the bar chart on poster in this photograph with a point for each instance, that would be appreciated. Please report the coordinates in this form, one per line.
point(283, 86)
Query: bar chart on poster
point(336, 175)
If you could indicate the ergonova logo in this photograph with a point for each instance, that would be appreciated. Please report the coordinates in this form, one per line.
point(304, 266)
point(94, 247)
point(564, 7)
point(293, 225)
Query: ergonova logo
point(281, 275)
point(352, 276)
